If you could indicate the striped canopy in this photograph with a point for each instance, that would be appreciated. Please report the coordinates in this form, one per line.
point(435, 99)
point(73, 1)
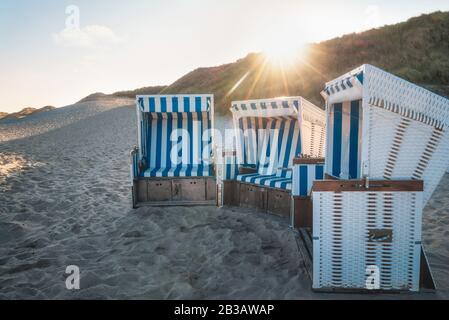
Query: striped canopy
point(269, 137)
point(175, 103)
point(385, 90)
point(265, 127)
point(278, 107)
point(175, 135)
point(348, 82)
point(346, 87)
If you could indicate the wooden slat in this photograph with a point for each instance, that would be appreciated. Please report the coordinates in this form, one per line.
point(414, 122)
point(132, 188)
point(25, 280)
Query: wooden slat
point(374, 185)
point(426, 281)
point(307, 237)
point(175, 203)
point(308, 161)
point(229, 153)
point(303, 212)
point(329, 177)
point(246, 170)
point(304, 252)
point(231, 193)
point(278, 202)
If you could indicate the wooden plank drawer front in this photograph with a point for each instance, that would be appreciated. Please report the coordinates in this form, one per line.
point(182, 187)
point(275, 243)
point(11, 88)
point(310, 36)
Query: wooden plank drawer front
point(246, 196)
point(159, 190)
point(192, 189)
point(142, 191)
point(279, 202)
point(251, 197)
point(211, 189)
point(303, 212)
point(231, 193)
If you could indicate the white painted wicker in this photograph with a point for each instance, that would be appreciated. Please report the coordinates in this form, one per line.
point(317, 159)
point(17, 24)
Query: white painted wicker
point(345, 256)
point(404, 136)
point(225, 164)
point(226, 168)
point(313, 129)
point(404, 127)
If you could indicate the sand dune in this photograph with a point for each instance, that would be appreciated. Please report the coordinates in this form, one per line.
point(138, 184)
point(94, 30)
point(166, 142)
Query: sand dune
point(39, 123)
point(66, 201)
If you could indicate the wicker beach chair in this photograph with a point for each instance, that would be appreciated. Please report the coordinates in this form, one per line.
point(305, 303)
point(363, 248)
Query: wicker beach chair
point(387, 149)
point(270, 135)
point(172, 165)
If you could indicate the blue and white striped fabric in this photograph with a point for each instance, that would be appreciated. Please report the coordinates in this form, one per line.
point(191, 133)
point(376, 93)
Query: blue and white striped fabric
point(277, 107)
point(230, 171)
point(175, 103)
point(345, 88)
point(268, 138)
point(303, 177)
point(344, 83)
point(268, 143)
point(343, 154)
point(272, 181)
point(229, 166)
point(276, 150)
point(176, 144)
point(250, 140)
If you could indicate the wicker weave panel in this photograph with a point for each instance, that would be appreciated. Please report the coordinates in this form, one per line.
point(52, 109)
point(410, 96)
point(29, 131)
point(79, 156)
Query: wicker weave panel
point(381, 130)
point(436, 167)
point(413, 146)
point(420, 154)
point(343, 247)
point(388, 87)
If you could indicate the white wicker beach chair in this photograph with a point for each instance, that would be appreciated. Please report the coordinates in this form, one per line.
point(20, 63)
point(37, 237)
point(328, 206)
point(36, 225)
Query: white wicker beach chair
point(384, 127)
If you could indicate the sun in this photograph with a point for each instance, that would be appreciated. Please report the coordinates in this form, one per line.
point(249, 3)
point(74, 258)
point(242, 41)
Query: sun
point(284, 53)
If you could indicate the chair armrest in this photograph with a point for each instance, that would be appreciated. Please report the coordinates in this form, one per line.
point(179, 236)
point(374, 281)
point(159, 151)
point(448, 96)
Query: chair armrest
point(247, 170)
point(299, 160)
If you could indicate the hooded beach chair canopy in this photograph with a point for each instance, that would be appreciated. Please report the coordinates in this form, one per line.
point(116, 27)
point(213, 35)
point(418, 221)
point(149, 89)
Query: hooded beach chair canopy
point(271, 132)
point(175, 134)
point(384, 127)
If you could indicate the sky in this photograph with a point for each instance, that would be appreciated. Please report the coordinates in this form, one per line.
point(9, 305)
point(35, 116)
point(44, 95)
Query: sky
point(57, 52)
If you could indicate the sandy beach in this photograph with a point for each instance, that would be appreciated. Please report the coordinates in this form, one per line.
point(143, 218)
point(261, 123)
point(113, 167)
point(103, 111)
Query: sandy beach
point(65, 200)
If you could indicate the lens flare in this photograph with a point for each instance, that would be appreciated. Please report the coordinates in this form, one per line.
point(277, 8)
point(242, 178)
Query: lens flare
point(284, 55)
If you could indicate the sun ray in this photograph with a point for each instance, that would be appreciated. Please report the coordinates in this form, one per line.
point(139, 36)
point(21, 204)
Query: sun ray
point(238, 83)
point(259, 73)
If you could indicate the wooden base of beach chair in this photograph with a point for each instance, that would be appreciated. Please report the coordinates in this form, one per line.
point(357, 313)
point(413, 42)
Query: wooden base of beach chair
point(134, 195)
point(231, 193)
point(174, 191)
point(302, 212)
point(369, 231)
point(305, 246)
point(263, 199)
point(252, 196)
point(176, 204)
point(278, 202)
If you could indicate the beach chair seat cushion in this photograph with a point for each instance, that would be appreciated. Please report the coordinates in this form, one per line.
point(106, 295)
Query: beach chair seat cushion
point(272, 181)
point(180, 171)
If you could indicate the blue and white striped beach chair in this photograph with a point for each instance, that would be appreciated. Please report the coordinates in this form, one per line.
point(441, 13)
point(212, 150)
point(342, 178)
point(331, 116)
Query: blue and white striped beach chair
point(175, 141)
point(270, 134)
